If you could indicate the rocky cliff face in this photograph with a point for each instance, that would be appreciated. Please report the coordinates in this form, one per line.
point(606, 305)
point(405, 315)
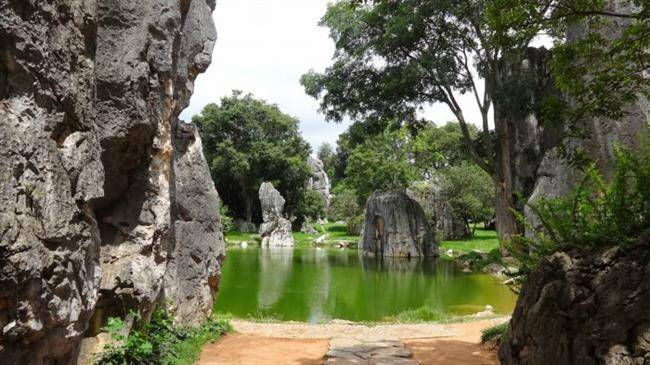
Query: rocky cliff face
point(584, 308)
point(602, 136)
point(104, 194)
point(395, 226)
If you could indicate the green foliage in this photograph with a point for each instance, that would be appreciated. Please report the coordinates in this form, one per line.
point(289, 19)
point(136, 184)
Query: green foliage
point(327, 155)
point(226, 220)
point(355, 224)
point(611, 64)
point(248, 141)
point(381, 163)
point(439, 147)
point(343, 204)
point(311, 206)
point(159, 341)
point(497, 332)
point(422, 314)
point(469, 191)
point(595, 215)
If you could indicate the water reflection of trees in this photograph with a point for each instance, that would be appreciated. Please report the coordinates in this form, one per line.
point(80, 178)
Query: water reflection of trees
point(314, 285)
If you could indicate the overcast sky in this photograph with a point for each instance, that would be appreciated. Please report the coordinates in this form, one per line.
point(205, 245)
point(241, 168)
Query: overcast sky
point(263, 47)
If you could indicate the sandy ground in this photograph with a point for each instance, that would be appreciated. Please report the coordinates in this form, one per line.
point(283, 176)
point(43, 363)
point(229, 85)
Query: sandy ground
point(240, 349)
point(306, 344)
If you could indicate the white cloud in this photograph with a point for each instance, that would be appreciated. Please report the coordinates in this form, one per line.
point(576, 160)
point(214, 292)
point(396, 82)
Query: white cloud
point(263, 47)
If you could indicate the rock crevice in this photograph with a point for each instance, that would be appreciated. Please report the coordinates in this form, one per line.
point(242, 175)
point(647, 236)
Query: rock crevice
point(104, 193)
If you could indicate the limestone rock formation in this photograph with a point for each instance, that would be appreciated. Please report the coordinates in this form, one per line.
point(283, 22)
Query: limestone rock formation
point(276, 229)
point(395, 226)
point(106, 205)
point(319, 181)
point(584, 308)
point(602, 136)
point(447, 225)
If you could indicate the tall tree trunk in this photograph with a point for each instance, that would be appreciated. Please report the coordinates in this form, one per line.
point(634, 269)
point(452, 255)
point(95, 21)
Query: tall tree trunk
point(248, 204)
point(506, 221)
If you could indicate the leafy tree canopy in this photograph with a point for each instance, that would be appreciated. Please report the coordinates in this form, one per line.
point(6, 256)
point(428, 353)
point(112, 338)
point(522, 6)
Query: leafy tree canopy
point(248, 141)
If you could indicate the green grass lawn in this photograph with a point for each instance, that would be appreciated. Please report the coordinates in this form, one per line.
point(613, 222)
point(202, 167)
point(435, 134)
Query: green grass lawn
point(484, 240)
point(335, 233)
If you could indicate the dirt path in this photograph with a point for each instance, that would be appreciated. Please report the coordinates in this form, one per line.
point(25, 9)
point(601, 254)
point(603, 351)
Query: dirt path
point(307, 344)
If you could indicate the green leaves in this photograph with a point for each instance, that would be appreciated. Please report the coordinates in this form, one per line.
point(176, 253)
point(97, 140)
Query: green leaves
point(248, 141)
point(595, 215)
point(381, 163)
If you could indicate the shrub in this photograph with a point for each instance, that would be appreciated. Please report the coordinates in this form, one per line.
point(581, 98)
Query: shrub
point(159, 341)
point(498, 332)
point(355, 225)
point(226, 220)
point(343, 205)
point(311, 206)
point(594, 215)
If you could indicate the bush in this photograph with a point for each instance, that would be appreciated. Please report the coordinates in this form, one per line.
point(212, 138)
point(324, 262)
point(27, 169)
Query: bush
point(343, 205)
point(595, 215)
point(311, 206)
point(226, 220)
point(498, 332)
point(159, 341)
point(355, 225)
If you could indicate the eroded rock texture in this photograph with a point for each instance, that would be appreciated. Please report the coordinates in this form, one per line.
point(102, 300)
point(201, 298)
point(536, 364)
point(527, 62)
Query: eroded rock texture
point(275, 228)
point(584, 308)
point(602, 136)
point(447, 224)
point(318, 181)
point(395, 226)
point(104, 195)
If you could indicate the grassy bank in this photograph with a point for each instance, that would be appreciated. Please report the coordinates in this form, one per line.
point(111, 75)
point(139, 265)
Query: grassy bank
point(478, 252)
point(334, 234)
point(484, 240)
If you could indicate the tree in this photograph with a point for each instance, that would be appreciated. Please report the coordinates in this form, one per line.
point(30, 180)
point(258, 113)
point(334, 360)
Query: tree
point(344, 205)
point(310, 207)
point(248, 141)
point(327, 155)
point(436, 148)
point(381, 163)
point(469, 192)
point(605, 42)
point(394, 57)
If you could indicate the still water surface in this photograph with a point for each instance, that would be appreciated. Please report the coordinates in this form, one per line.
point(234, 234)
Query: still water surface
point(314, 285)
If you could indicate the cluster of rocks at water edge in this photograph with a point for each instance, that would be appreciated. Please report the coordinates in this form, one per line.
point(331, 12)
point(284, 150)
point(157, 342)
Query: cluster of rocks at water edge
point(275, 229)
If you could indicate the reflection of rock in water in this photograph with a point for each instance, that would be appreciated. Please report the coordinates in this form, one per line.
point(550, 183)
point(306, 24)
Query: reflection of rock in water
point(275, 267)
point(320, 291)
point(393, 264)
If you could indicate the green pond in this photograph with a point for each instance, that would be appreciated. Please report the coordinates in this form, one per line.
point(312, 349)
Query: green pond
point(315, 285)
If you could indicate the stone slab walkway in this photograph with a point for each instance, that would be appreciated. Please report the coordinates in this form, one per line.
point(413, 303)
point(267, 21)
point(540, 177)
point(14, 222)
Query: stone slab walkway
point(349, 351)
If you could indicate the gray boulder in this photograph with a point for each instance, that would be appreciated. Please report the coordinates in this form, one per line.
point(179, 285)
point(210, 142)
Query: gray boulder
point(395, 226)
point(106, 205)
point(319, 181)
point(275, 230)
point(444, 221)
point(583, 308)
